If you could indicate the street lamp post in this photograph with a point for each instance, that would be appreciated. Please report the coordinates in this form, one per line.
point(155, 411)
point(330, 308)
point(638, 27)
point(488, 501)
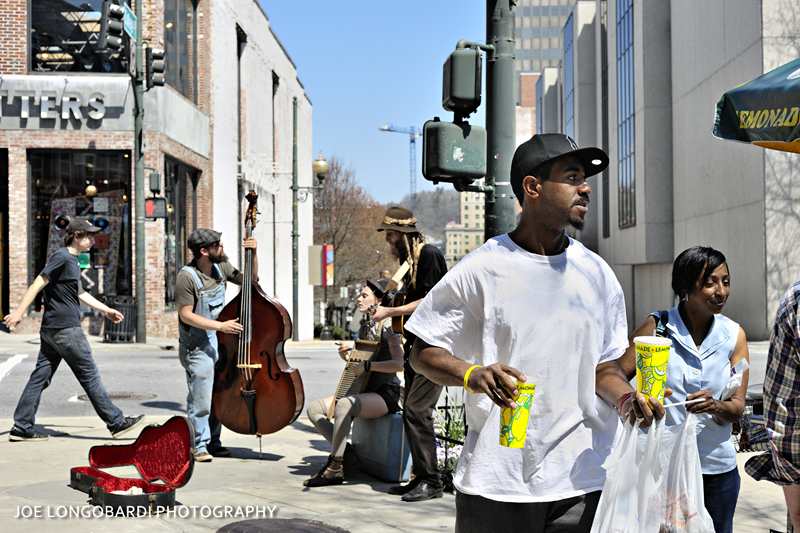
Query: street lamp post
point(320, 168)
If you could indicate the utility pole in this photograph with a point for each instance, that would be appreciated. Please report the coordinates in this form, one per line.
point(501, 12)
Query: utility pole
point(295, 233)
point(138, 158)
point(500, 207)
point(484, 153)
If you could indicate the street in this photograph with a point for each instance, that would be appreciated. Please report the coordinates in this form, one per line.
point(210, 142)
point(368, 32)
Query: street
point(149, 382)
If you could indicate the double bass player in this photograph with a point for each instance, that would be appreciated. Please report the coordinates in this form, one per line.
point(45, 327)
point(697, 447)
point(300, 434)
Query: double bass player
point(200, 296)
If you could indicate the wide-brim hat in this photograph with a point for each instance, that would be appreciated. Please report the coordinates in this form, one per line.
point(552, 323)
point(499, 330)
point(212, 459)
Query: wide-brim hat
point(545, 147)
point(81, 224)
point(399, 219)
point(202, 238)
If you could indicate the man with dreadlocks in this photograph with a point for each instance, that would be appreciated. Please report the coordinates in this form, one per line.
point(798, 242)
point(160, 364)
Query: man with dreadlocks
point(427, 267)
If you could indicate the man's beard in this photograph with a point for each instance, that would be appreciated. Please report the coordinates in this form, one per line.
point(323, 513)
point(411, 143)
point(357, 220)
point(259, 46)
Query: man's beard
point(399, 250)
point(220, 257)
point(577, 223)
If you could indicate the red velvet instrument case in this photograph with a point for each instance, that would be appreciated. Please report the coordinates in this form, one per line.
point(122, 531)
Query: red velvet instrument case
point(162, 455)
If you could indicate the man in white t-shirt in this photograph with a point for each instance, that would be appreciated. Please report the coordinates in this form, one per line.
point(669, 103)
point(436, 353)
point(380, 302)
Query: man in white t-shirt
point(534, 305)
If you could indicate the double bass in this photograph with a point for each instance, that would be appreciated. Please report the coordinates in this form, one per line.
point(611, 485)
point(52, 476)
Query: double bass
point(255, 391)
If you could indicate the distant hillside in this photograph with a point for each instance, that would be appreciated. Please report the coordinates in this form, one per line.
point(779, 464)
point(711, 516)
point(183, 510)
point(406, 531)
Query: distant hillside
point(435, 209)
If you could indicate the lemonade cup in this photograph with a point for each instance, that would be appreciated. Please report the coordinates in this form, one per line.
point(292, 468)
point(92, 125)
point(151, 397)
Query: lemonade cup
point(514, 422)
point(652, 357)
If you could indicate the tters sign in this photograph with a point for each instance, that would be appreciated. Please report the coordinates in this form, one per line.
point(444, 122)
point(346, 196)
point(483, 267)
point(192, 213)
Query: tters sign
point(65, 103)
point(48, 108)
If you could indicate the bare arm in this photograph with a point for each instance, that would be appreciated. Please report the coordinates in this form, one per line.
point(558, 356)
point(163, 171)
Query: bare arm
point(188, 316)
point(112, 314)
point(498, 381)
point(395, 364)
point(386, 312)
point(12, 319)
point(729, 410)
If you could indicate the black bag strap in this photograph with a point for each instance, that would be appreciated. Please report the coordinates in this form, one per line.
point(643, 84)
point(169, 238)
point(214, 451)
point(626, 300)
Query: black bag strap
point(662, 317)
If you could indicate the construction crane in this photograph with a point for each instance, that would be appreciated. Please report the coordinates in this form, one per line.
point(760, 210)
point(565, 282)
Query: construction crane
point(413, 134)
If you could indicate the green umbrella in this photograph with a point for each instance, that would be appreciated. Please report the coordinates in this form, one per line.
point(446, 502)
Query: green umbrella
point(764, 111)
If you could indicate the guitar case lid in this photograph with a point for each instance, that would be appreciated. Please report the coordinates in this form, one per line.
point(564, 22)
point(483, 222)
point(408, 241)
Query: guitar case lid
point(160, 452)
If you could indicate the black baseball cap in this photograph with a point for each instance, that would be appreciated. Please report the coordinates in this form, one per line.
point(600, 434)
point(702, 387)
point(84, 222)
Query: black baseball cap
point(544, 147)
point(202, 238)
point(81, 224)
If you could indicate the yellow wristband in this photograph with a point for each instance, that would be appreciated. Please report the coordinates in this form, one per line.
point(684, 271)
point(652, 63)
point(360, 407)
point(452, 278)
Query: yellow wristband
point(466, 377)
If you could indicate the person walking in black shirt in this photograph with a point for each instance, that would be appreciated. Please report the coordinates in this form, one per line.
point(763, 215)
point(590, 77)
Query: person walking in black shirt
point(63, 339)
point(427, 267)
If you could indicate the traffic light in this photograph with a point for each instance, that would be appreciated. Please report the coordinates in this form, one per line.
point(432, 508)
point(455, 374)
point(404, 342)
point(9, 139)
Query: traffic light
point(111, 26)
point(453, 152)
point(154, 59)
point(461, 87)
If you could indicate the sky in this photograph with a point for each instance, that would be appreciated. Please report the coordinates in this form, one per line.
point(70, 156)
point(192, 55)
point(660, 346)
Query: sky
point(365, 64)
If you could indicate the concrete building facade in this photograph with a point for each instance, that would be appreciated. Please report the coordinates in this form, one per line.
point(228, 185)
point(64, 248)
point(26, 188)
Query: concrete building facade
point(655, 73)
point(66, 147)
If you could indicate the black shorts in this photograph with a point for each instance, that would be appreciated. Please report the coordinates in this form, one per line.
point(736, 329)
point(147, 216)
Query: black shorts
point(390, 392)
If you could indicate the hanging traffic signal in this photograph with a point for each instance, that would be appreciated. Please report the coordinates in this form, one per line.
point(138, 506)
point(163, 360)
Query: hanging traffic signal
point(154, 59)
point(111, 27)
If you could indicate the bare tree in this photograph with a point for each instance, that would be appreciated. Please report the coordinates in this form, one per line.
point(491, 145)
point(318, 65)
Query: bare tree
point(346, 216)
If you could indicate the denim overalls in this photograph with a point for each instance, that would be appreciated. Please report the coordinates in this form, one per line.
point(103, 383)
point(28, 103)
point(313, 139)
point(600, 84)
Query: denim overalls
point(198, 355)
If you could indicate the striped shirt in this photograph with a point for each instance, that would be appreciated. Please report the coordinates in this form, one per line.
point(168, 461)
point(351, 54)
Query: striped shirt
point(781, 462)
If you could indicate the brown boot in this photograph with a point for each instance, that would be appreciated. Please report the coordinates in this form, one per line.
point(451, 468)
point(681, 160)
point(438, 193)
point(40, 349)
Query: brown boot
point(332, 474)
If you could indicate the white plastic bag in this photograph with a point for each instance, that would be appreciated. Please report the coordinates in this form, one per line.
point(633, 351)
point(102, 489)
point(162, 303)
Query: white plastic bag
point(654, 483)
point(735, 380)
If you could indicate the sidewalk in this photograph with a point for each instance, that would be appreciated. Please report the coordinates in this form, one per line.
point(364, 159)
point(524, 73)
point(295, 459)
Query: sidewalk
point(37, 474)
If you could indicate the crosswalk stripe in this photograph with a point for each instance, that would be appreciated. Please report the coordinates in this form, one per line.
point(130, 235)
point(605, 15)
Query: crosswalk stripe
point(6, 366)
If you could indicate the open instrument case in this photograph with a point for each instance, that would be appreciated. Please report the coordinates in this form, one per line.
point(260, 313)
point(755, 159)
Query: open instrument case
point(160, 453)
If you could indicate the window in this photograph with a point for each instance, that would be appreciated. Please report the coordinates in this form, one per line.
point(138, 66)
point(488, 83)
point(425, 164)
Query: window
point(535, 11)
point(569, 85)
point(536, 33)
point(477, 239)
point(94, 185)
point(625, 114)
point(180, 59)
point(180, 183)
point(539, 108)
point(466, 225)
point(64, 36)
point(604, 113)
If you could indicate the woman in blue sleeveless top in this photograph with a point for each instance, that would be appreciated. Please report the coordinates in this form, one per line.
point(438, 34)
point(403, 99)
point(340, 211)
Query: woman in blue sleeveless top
point(706, 346)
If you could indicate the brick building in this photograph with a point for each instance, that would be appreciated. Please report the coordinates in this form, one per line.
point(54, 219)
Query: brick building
point(66, 147)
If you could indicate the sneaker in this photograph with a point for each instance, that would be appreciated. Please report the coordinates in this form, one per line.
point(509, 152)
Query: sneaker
point(17, 435)
point(220, 451)
point(130, 423)
point(203, 457)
